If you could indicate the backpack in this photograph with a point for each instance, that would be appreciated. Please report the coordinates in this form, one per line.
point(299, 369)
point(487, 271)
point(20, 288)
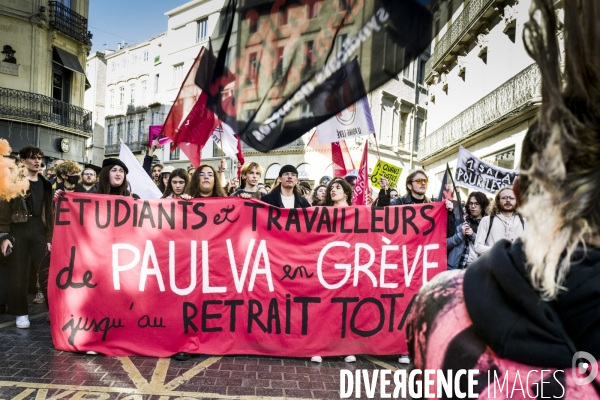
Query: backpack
point(492, 222)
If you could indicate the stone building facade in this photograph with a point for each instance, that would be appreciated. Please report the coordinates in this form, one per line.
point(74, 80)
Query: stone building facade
point(42, 76)
point(134, 95)
point(484, 88)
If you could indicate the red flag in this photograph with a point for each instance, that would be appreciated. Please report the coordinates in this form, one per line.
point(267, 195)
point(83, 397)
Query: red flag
point(337, 151)
point(189, 122)
point(360, 197)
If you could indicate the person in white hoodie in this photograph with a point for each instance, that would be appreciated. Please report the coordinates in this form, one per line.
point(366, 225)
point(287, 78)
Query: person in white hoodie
point(503, 222)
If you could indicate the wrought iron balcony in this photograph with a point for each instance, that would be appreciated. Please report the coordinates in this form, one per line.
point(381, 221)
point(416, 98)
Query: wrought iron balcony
point(38, 108)
point(471, 14)
point(520, 92)
point(68, 22)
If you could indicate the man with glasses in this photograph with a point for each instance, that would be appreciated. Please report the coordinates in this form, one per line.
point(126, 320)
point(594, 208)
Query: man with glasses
point(504, 222)
point(286, 194)
point(88, 180)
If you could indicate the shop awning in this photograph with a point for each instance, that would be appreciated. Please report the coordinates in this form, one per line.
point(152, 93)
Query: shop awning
point(68, 60)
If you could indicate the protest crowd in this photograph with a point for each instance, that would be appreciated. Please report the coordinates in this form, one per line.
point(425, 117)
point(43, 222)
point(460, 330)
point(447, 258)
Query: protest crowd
point(26, 242)
point(522, 282)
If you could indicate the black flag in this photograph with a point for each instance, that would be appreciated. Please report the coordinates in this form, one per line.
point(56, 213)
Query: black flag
point(276, 69)
point(448, 192)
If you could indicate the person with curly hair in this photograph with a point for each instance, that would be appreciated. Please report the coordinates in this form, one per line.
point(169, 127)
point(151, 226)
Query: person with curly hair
point(318, 195)
point(532, 304)
point(69, 173)
point(503, 222)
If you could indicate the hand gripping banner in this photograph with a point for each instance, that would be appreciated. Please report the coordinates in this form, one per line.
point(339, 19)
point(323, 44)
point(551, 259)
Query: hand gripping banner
point(234, 276)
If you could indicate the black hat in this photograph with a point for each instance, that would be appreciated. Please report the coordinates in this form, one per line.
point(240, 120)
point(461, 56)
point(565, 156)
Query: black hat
point(8, 50)
point(96, 168)
point(288, 168)
point(111, 162)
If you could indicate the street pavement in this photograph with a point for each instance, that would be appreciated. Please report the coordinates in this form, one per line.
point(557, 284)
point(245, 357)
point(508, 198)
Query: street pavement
point(30, 368)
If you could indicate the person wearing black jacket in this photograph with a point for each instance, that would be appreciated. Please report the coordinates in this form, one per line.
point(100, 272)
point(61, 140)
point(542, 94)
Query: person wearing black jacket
point(416, 186)
point(286, 193)
point(69, 173)
point(30, 220)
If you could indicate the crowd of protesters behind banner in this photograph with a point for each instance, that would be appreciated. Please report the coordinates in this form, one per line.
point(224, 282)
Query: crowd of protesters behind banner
point(26, 221)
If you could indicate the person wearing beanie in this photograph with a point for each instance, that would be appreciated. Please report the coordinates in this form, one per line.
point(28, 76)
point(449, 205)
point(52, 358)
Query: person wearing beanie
point(113, 178)
point(286, 194)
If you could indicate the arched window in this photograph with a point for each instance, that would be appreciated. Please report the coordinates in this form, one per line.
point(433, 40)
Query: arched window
point(272, 174)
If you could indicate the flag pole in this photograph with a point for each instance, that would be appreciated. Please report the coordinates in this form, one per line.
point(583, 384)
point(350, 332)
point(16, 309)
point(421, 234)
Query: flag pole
point(377, 146)
point(462, 210)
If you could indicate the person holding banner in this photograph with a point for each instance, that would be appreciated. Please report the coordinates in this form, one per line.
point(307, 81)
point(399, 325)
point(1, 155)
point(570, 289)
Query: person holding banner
point(251, 173)
point(530, 307)
point(177, 185)
point(206, 182)
point(461, 245)
point(338, 194)
point(113, 178)
point(286, 194)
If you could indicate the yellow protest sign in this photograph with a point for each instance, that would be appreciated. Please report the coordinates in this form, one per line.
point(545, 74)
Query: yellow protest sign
point(391, 172)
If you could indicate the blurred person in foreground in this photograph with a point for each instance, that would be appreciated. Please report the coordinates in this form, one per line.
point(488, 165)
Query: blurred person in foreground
point(533, 305)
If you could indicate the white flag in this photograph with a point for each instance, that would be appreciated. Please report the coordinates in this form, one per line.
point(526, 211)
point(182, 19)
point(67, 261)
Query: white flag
point(139, 180)
point(225, 138)
point(352, 122)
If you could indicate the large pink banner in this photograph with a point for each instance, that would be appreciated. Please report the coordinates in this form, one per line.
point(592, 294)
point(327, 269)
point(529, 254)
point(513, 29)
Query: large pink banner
point(235, 276)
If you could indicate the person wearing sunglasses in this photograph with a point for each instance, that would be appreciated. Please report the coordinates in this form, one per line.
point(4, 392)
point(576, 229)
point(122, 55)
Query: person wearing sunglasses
point(416, 187)
point(504, 222)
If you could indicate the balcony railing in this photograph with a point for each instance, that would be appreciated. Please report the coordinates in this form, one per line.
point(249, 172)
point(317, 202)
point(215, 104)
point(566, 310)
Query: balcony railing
point(68, 22)
point(36, 107)
point(135, 147)
point(516, 94)
point(465, 21)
